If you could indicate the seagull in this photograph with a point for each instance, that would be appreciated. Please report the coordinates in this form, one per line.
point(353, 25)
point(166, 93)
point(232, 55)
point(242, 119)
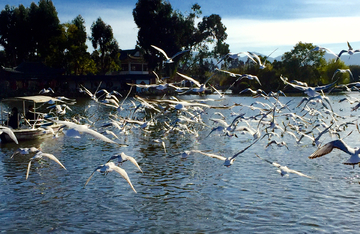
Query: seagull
point(40, 155)
point(339, 144)
point(310, 91)
point(80, 128)
point(108, 167)
point(350, 51)
point(24, 151)
point(169, 60)
point(320, 48)
point(122, 157)
point(261, 65)
point(240, 76)
point(279, 144)
point(48, 90)
point(283, 170)
point(343, 71)
point(229, 160)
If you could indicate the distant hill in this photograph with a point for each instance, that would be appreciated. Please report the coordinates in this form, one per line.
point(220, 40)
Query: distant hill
point(348, 60)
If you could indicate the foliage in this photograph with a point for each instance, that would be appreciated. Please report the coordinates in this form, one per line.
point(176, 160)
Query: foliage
point(78, 60)
point(303, 62)
point(173, 31)
point(102, 37)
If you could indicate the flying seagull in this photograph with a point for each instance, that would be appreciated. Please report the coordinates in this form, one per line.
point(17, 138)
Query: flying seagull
point(341, 145)
point(108, 167)
point(39, 155)
point(169, 60)
point(283, 170)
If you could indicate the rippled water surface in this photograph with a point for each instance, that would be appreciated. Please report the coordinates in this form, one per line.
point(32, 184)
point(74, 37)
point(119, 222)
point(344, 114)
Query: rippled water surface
point(192, 195)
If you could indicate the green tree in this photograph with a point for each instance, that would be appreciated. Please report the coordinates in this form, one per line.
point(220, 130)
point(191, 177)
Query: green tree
point(328, 75)
point(46, 30)
point(303, 63)
point(172, 31)
point(77, 58)
point(14, 32)
point(102, 37)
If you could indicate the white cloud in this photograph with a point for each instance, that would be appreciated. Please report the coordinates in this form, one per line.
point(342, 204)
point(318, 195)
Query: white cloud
point(244, 34)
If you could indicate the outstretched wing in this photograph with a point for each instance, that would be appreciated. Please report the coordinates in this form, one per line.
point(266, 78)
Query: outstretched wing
point(296, 172)
point(327, 148)
point(210, 155)
point(87, 181)
point(28, 170)
point(123, 173)
point(52, 157)
point(10, 133)
point(178, 53)
point(161, 51)
point(131, 159)
point(197, 83)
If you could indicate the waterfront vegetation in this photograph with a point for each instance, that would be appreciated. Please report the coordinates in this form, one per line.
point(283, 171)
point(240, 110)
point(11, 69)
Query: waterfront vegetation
point(35, 33)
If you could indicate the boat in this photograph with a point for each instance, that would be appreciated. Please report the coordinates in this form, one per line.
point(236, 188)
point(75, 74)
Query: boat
point(25, 129)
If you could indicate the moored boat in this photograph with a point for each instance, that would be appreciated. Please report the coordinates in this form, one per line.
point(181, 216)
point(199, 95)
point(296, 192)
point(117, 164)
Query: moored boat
point(24, 128)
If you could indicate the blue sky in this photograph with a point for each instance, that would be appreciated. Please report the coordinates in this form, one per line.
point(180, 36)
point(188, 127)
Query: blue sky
point(260, 26)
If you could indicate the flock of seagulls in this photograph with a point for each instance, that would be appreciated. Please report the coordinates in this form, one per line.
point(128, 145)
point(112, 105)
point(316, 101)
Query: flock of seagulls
point(266, 119)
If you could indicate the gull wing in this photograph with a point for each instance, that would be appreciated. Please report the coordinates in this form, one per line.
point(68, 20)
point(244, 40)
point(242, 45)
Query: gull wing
point(299, 87)
point(318, 88)
point(131, 159)
point(85, 129)
point(341, 52)
point(243, 150)
point(9, 132)
point(210, 155)
point(248, 55)
point(87, 181)
point(52, 157)
point(197, 83)
point(28, 170)
point(161, 51)
point(256, 57)
point(178, 53)
point(265, 160)
point(288, 170)
point(327, 148)
point(123, 173)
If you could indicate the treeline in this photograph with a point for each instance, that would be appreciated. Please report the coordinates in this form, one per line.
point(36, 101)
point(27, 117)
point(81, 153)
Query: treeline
point(35, 34)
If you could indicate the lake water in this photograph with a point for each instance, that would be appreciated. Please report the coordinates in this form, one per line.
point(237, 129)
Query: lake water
point(174, 195)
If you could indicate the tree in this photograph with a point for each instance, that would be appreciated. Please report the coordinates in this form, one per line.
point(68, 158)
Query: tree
point(327, 72)
point(108, 52)
point(30, 33)
point(77, 58)
point(45, 29)
point(14, 30)
point(303, 63)
point(172, 31)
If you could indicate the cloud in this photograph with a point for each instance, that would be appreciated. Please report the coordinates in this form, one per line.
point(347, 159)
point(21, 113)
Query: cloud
point(245, 34)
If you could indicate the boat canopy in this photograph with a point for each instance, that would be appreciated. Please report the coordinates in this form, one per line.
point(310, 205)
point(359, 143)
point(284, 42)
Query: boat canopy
point(36, 99)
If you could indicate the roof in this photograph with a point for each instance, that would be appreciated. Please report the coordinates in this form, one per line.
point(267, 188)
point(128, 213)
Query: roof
point(36, 99)
point(133, 54)
point(34, 68)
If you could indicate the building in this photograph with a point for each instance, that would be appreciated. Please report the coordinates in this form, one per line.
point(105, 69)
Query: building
point(30, 77)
